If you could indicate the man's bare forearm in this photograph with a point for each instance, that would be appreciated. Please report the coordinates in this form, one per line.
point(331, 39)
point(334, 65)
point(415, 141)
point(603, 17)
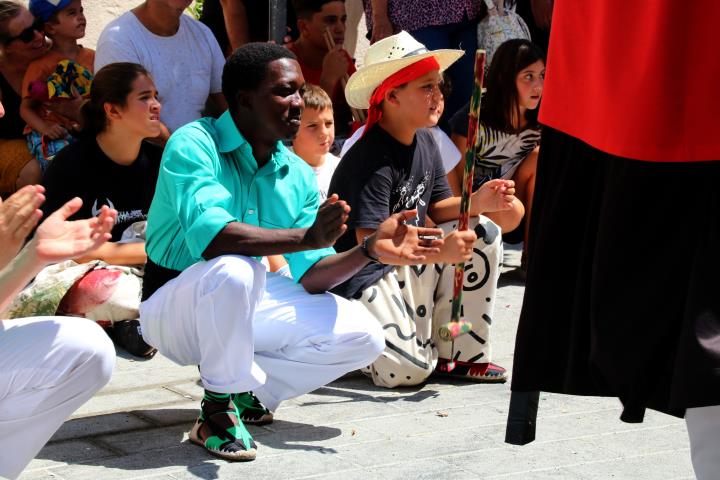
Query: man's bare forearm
point(242, 239)
point(333, 270)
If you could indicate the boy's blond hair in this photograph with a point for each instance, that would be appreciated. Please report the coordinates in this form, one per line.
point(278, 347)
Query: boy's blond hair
point(316, 98)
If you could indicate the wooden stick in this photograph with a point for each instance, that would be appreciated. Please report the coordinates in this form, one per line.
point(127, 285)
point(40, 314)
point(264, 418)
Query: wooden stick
point(457, 326)
point(358, 115)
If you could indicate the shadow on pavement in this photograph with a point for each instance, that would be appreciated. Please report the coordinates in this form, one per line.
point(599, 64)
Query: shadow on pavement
point(369, 395)
point(145, 440)
point(512, 277)
point(286, 435)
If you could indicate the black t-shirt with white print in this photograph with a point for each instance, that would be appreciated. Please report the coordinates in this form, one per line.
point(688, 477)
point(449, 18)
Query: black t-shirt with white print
point(83, 170)
point(380, 176)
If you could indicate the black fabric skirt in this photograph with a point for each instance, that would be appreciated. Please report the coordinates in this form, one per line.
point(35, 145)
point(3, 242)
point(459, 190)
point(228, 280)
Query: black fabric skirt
point(623, 290)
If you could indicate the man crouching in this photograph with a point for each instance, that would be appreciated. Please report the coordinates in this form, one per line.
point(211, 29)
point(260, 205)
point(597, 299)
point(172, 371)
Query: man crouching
point(228, 193)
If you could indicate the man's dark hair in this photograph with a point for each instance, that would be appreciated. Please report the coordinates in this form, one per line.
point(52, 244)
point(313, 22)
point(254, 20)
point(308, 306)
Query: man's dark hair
point(246, 68)
point(306, 8)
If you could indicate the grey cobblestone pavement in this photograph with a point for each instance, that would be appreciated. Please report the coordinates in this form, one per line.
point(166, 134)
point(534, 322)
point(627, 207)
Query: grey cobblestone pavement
point(136, 428)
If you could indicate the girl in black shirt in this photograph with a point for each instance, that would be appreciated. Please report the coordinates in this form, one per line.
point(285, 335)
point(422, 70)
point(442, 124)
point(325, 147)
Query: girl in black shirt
point(113, 165)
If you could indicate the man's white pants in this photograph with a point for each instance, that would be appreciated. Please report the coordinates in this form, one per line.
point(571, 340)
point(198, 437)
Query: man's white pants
point(703, 425)
point(49, 366)
point(248, 329)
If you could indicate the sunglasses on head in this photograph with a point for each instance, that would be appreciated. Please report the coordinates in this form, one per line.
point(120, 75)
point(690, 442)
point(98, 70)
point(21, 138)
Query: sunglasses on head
point(27, 35)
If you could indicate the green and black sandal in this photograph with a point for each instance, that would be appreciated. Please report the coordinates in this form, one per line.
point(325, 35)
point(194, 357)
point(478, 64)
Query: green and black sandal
point(230, 443)
point(251, 409)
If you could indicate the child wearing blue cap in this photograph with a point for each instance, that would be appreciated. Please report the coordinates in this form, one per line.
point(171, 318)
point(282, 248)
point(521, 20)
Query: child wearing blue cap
point(53, 83)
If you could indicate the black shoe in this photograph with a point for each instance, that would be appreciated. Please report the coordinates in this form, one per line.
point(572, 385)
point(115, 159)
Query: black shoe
point(128, 335)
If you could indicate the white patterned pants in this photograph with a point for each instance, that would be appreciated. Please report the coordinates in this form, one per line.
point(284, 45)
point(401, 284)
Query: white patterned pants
point(49, 367)
point(412, 302)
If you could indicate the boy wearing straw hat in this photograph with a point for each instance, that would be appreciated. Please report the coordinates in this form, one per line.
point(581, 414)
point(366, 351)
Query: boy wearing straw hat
point(396, 165)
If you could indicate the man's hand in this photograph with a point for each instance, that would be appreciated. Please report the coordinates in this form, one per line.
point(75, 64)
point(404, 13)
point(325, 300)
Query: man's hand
point(329, 224)
point(58, 239)
point(335, 65)
point(18, 216)
point(493, 196)
point(396, 243)
point(458, 246)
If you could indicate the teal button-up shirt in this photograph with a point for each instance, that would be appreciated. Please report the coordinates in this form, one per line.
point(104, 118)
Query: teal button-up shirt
point(209, 178)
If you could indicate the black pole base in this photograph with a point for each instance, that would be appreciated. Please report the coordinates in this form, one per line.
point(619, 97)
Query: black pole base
point(522, 418)
point(277, 19)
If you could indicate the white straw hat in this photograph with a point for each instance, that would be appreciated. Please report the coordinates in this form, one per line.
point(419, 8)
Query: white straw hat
point(386, 57)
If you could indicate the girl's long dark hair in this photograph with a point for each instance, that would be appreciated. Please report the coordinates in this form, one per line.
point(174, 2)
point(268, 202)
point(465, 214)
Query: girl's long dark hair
point(112, 84)
point(500, 102)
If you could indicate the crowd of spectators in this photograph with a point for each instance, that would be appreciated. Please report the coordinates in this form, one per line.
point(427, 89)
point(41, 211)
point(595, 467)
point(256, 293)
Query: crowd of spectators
point(94, 124)
point(245, 180)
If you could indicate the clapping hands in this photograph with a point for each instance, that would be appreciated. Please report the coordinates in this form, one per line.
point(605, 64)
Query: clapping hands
point(58, 239)
point(55, 240)
point(329, 223)
point(19, 214)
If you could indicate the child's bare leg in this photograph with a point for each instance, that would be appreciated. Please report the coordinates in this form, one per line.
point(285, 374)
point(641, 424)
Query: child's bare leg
point(525, 189)
point(276, 262)
point(508, 220)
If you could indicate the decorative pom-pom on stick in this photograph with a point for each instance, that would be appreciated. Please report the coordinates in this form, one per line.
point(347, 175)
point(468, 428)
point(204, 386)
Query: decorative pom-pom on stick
point(451, 329)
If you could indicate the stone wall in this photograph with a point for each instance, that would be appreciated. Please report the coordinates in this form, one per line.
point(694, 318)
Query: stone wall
point(99, 13)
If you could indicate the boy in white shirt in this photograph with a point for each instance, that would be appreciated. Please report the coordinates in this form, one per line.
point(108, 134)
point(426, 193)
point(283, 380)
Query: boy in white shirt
point(316, 137)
